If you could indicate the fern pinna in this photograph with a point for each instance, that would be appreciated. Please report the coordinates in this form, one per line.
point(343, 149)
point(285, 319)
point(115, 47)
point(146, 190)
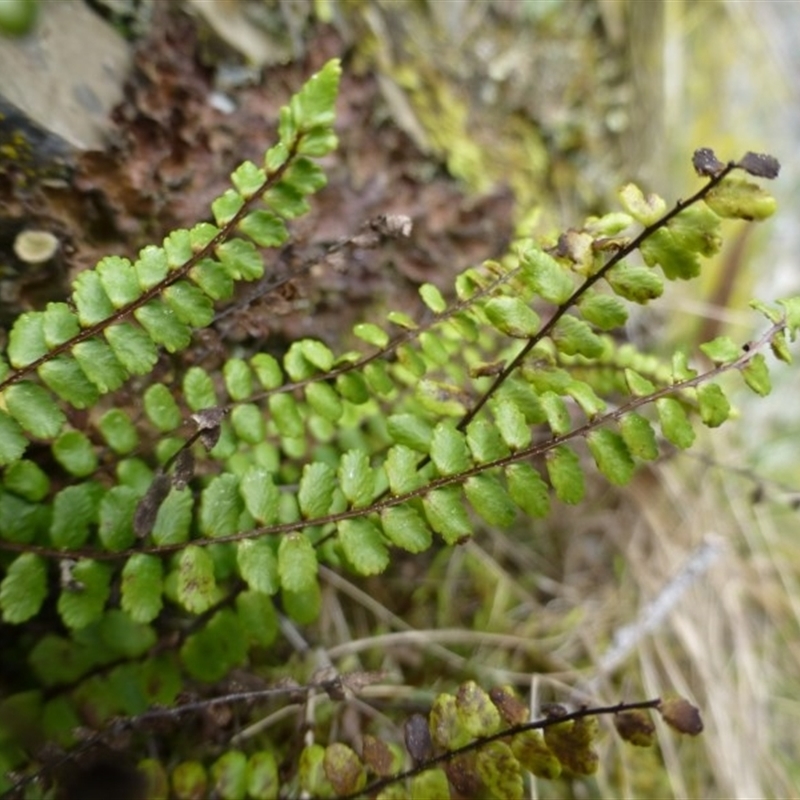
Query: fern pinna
point(146, 546)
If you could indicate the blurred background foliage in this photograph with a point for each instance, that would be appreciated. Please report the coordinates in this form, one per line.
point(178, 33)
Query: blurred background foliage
point(482, 118)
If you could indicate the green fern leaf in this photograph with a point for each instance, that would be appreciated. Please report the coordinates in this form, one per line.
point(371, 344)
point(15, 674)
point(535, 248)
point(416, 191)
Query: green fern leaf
point(73, 450)
point(196, 587)
point(558, 417)
point(248, 179)
point(115, 521)
point(637, 284)
point(260, 495)
point(178, 248)
point(189, 304)
point(220, 506)
point(363, 546)
point(318, 141)
point(161, 408)
point(353, 387)
point(297, 563)
point(229, 776)
point(21, 521)
point(433, 347)
point(410, 430)
point(256, 612)
point(449, 451)
point(638, 385)
point(573, 336)
point(485, 442)
point(378, 378)
point(311, 772)
point(546, 276)
point(302, 606)
point(98, 362)
point(263, 781)
point(279, 154)
point(433, 298)
point(645, 210)
point(478, 715)
point(356, 478)
point(714, 406)
point(512, 425)
point(60, 324)
point(296, 365)
point(64, 376)
point(264, 228)
point(639, 436)
point(722, 350)
point(535, 756)
point(409, 367)
point(174, 518)
point(528, 490)
point(499, 770)
point(401, 469)
point(431, 783)
point(315, 492)
point(163, 326)
point(212, 278)
point(566, 476)
point(241, 259)
point(201, 236)
point(445, 513)
point(56, 660)
point(13, 441)
point(133, 347)
point(119, 280)
point(305, 176)
point(129, 639)
point(489, 498)
point(26, 339)
point(248, 423)
point(756, 375)
point(214, 650)
point(142, 584)
point(675, 424)
point(198, 389)
point(189, 780)
point(286, 200)
point(27, 479)
point(738, 198)
point(371, 334)
point(681, 371)
point(267, 370)
point(258, 565)
point(82, 600)
point(402, 320)
point(611, 455)
point(603, 311)
point(313, 105)
point(585, 397)
point(439, 398)
point(446, 724)
point(405, 528)
point(317, 353)
point(34, 409)
point(151, 267)
point(23, 589)
point(226, 206)
point(513, 317)
point(286, 416)
point(90, 298)
point(238, 378)
point(323, 399)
